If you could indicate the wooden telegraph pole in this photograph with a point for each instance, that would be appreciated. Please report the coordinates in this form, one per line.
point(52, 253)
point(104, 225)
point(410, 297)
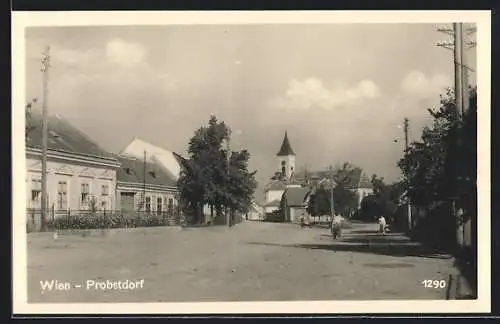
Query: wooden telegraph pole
point(228, 149)
point(405, 129)
point(461, 94)
point(45, 128)
point(332, 209)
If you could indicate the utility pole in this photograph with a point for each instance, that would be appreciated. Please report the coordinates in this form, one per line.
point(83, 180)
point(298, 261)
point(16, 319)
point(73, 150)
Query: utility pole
point(457, 50)
point(45, 129)
point(458, 46)
point(144, 182)
point(332, 209)
point(461, 97)
point(405, 129)
point(228, 149)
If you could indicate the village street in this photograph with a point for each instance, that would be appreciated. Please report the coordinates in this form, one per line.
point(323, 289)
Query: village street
point(252, 261)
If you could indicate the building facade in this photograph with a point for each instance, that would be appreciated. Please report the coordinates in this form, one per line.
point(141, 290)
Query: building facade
point(144, 186)
point(80, 174)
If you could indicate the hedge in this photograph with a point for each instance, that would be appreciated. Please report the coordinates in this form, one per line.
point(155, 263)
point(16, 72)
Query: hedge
point(93, 221)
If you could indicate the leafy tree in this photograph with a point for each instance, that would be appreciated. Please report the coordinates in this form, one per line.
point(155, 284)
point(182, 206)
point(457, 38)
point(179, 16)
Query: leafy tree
point(242, 183)
point(214, 176)
point(442, 165)
point(319, 202)
point(344, 199)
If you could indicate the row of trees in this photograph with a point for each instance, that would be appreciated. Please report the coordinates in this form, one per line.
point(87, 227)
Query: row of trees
point(442, 166)
point(384, 200)
point(438, 169)
point(215, 177)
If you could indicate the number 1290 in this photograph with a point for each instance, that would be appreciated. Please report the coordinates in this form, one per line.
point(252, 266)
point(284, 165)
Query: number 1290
point(434, 283)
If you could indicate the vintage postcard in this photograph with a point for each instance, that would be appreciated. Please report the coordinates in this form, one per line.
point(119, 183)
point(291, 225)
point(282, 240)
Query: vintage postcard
point(251, 162)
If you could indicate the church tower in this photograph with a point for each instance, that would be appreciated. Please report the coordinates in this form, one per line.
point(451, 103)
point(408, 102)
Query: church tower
point(286, 158)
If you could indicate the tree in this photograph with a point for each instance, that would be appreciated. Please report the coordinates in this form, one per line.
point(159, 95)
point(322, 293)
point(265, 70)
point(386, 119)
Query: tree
point(319, 202)
point(208, 178)
point(242, 183)
point(344, 199)
point(442, 166)
point(429, 165)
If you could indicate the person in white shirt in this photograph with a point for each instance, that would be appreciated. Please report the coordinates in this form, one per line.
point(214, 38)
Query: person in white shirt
point(337, 226)
point(382, 223)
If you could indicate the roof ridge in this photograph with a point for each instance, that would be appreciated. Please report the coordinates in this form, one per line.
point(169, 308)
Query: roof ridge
point(79, 131)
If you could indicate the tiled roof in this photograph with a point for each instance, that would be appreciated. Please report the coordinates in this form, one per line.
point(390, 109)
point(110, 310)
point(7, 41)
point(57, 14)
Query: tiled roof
point(352, 177)
point(62, 136)
point(286, 148)
point(365, 182)
point(296, 196)
point(132, 171)
point(274, 203)
point(170, 162)
point(275, 185)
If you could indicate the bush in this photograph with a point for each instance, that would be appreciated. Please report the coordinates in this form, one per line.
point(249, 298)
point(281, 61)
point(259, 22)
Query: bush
point(275, 217)
point(114, 220)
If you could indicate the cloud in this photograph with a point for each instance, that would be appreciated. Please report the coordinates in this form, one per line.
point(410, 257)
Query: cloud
point(124, 53)
point(418, 84)
point(313, 93)
point(72, 57)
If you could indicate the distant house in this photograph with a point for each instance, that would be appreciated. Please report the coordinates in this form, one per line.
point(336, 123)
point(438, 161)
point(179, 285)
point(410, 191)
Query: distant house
point(144, 185)
point(256, 212)
point(356, 181)
point(273, 193)
point(294, 202)
point(80, 174)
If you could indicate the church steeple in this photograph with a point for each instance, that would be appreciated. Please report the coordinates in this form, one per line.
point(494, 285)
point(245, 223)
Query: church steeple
point(286, 159)
point(286, 148)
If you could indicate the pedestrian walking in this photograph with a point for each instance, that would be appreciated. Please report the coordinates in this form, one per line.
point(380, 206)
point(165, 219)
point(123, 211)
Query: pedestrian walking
point(382, 224)
point(336, 226)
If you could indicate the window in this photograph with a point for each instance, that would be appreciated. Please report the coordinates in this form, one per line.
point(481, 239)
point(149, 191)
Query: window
point(62, 195)
point(170, 205)
point(283, 167)
point(153, 203)
point(104, 196)
point(159, 203)
point(148, 204)
point(84, 195)
point(36, 190)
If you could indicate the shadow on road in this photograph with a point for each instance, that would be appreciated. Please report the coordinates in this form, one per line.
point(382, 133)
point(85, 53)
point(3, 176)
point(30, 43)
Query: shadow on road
point(392, 244)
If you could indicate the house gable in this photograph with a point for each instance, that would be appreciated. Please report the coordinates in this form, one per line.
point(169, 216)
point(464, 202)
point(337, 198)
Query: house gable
point(108, 175)
point(64, 170)
point(87, 173)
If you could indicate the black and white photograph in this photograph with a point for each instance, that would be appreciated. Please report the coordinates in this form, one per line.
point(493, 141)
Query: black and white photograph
point(270, 162)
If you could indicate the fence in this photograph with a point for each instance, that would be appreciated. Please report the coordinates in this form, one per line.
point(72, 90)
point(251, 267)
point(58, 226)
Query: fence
point(102, 219)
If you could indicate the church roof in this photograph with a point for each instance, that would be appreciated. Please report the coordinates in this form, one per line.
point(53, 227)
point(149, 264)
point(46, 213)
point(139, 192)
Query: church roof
point(286, 148)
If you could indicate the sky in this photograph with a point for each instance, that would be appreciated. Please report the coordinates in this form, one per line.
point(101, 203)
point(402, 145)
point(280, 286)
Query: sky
point(341, 91)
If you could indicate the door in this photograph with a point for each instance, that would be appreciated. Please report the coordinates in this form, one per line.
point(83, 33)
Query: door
point(127, 201)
